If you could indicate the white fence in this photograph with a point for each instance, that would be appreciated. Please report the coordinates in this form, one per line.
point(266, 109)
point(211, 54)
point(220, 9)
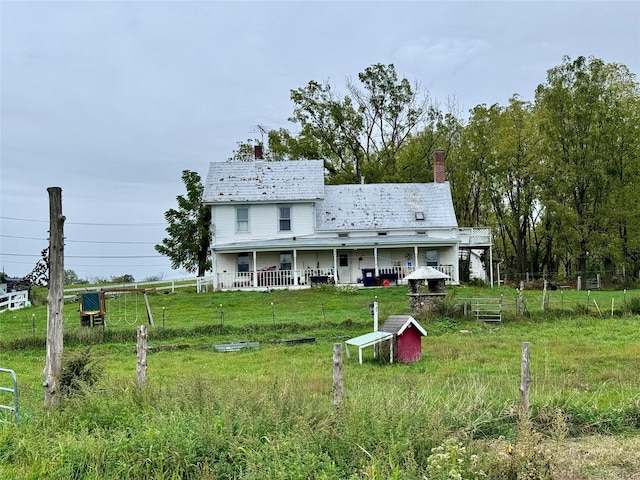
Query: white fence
point(159, 284)
point(14, 300)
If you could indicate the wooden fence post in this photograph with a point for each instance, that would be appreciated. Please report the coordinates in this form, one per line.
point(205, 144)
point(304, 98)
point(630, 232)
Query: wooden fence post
point(55, 297)
point(520, 307)
point(545, 297)
point(338, 387)
point(525, 378)
point(141, 351)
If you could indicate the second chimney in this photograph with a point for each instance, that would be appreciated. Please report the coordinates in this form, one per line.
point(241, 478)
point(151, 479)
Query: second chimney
point(439, 170)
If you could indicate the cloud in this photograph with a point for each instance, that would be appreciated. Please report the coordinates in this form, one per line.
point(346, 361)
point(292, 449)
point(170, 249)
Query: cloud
point(443, 54)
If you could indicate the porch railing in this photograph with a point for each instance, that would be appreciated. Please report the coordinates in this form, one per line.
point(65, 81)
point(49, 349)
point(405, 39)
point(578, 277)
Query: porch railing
point(305, 277)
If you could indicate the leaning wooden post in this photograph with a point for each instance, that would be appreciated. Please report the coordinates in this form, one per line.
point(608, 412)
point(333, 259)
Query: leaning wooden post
point(55, 297)
point(338, 387)
point(525, 378)
point(141, 350)
point(545, 297)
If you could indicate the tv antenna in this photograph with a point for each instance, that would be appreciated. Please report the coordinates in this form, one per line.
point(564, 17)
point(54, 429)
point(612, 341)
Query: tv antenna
point(262, 129)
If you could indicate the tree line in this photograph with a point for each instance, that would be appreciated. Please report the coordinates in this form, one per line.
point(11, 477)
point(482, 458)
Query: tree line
point(555, 178)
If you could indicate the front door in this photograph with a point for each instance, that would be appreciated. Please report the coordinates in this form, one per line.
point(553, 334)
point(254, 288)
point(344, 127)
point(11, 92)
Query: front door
point(344, 268)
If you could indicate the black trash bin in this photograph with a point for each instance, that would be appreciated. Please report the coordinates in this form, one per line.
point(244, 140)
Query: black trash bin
point(369, 277)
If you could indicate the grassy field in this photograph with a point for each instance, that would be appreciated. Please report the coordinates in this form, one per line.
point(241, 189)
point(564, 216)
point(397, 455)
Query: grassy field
point(268, 412)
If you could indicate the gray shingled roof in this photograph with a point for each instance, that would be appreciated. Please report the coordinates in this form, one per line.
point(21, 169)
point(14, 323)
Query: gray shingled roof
point(399, 323)
point(385, 206)
point(262, 181)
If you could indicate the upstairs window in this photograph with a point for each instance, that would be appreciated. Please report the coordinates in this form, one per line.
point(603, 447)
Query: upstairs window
point(242, 219)
point(285, 219)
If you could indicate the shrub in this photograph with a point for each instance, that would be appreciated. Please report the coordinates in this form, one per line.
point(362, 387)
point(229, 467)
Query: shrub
point(79, 371)
point(634, 305)
point(526, 458)
point(451, 461)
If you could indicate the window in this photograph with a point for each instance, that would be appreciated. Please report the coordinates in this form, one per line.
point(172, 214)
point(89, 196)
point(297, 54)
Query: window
point(243, 263)
point(419, 215)
point(286, 259)
point(285, 219)
point(432, 258)
point(343, 260)
point(242, 219)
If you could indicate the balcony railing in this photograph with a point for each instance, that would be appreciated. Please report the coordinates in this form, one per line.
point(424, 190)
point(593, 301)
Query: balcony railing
point(470, 236)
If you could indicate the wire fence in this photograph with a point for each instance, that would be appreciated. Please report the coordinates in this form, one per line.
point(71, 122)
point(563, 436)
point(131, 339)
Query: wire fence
point(615, 303)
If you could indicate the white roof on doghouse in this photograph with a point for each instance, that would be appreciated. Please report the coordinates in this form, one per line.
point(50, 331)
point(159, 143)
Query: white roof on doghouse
point(426, 273)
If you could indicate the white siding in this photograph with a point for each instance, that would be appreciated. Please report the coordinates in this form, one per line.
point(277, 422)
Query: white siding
point(263, 222)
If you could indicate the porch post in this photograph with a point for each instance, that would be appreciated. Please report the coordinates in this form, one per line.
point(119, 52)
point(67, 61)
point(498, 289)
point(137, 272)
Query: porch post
point(214, 266)
point(335, 266)
point(456, 265)
point(375, 260)
point(255, 269)
point(295, 267)
point(415, 256)
point(491, 264)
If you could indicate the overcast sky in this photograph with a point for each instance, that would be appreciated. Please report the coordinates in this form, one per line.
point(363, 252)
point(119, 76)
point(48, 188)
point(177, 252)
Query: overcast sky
point(111, 100)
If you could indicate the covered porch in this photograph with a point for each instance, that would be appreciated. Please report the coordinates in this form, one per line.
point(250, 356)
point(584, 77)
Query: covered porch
point(351, 262)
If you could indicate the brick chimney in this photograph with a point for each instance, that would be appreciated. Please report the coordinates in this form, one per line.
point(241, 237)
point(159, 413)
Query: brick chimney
point(439, 170)
point(258, 153)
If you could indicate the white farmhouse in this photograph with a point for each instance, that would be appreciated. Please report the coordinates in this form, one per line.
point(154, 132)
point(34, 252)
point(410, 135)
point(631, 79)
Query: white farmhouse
point(278, 224)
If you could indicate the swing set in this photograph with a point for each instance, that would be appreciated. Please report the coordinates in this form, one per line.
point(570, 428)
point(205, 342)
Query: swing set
point(93, 306)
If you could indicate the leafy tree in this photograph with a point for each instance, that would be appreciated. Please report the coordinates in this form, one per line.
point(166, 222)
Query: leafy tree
point(588, 113)
point(189, 229)
point(468, 167)
point(126, 278)
point(359, 134)
point(513, 186)
point(71, 278)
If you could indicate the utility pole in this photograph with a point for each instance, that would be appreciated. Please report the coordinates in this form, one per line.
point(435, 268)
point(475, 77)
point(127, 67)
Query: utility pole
point(55, 298)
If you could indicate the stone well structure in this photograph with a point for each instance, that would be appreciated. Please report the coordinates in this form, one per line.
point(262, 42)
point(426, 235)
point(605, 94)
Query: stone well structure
point(426, 288)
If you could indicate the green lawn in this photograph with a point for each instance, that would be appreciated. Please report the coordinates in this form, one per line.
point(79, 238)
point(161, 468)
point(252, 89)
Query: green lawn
point(268, 413)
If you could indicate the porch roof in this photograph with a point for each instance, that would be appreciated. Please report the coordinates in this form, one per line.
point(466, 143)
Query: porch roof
point(319, 243)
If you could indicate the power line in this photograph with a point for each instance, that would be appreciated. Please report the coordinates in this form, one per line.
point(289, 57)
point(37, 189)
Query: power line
point(83, 256)
point(91, 265)
point(89, 223)
point(81, 241)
